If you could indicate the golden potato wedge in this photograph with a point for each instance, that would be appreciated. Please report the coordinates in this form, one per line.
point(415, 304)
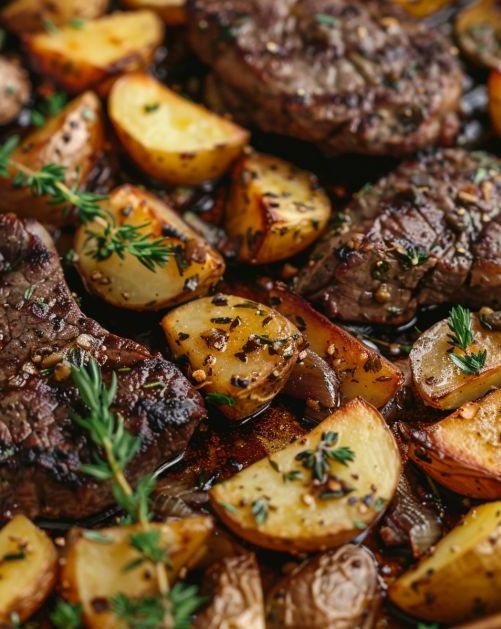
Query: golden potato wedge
point(461, 578)
point(233, 586)
point(437, 379)
point(191, 268)
point(495, 100)
point(478, 31)
point(80, 58)
point(462, 451)
point(282, 503)
point(28, 568)
point(15, 89)
point(274, 209)
point(338, 588)
point(29, 16)
point(93, 567)
point(172, 12)
point(73, 139)
point(171, 138)
point(362, 372)
point(422, 8)
point(242, 350)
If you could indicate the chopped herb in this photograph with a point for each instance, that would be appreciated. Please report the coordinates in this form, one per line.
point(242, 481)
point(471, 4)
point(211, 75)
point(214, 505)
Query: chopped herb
point(139, 613)
point(379, 504)
point(413, 256)
point(17, 555)
point(97, 536)
point(151, 107)
point(76, 23)
point(325, 19)
point(480, 175)
point(28, 293)
point(66, 615)
point(259, 510)
point(360, 524)
point(274, 465)
point(219, 399)
point(319, 460)
point(184, 602)
point(49, 26)
point(292, 475)
point(469, 363)
point(153, 385)
point(230, 508)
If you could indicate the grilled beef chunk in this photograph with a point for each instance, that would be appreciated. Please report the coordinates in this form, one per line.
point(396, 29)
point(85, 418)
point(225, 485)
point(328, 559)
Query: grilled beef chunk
point(351, 76)
point(42, 331)
point(430, 232)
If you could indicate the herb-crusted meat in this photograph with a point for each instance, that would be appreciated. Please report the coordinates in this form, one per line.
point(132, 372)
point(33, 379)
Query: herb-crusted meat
point(356, 76)
point(42, 331)
point(430, 232)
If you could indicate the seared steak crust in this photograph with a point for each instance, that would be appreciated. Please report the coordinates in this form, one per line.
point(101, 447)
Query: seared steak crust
point(355, 76)
point(430, 232)
point(41, 330)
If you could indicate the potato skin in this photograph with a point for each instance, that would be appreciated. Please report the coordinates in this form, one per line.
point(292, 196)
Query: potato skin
point(15, 89)
point(127, 283)
point(172, 12)
point(462, 451)
point(61, 55)
point(223, 338)
point(26, 583)
point(274, 209)
point(150, 121)
point(236, 597)
point(29, 16)
point(337, 589)
point(437, 379)
point(299, 519)
point(73, 139)
point(460, 579)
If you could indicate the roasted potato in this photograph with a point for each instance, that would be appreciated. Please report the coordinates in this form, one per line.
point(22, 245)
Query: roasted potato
point(28, 567)
point(29, 16)
point(338, 588)
point(93, 567)
point(478, 31)
point(362, 372)
point(73, 139)
point(242, 351)
point(495, 100)
point(293, 503)
point(80, 58)
point(15, 89)
point(422, 8)
point(460, 578)
point(437, 379)
point(233, 586)
point(462, 451)
point(274, 209)
point(172, 12)
point(191, 269)
point(171, 138)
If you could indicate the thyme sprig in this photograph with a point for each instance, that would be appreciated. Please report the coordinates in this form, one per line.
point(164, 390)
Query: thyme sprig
point(50, 181)
point(115, 447)
point(319, 460)
point(462, 336)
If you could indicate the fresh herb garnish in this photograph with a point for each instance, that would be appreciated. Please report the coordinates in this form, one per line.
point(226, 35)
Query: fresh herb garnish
point(151, 107)
point(219, 399)
point(319, 460)
point(413, 256)
point(325, 19)
point(50, 107)
point(76, 23)
point(469, 363)
point(260, 510)
point(292, 475)
point(28, 293)
point(461, 327)
point(66, 615)
point(96, 536)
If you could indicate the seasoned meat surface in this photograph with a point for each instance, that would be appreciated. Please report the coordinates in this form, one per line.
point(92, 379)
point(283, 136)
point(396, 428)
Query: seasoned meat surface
point(43, 331)
point(351, 76)
point(430, 232)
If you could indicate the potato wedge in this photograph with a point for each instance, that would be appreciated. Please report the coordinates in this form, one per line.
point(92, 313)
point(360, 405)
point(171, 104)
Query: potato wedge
point(439, 382)
point(362, 372)
point(478, 31)
point(93, 567)
point(170, 138)
point(460, 579)
point(73, 139)
point(28, 568)
point(233, 586)
point(190, 271)
point(80, 58)
point(274, 209)
point(462, 451)
point(279, 503)
point(172, 12)
point(15, 89)
point(495, 100)
point(242, 350)
point(339, 588)
point(422, 8)
point(30, 16)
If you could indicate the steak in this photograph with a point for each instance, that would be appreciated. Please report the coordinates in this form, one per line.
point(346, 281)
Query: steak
point(43, 331)
point(356, 76)
point(428, 233)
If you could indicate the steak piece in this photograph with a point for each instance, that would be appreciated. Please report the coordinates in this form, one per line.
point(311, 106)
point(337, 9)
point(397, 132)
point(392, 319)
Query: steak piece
point(430, 232)
point(357, 76)
point(42, 330)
